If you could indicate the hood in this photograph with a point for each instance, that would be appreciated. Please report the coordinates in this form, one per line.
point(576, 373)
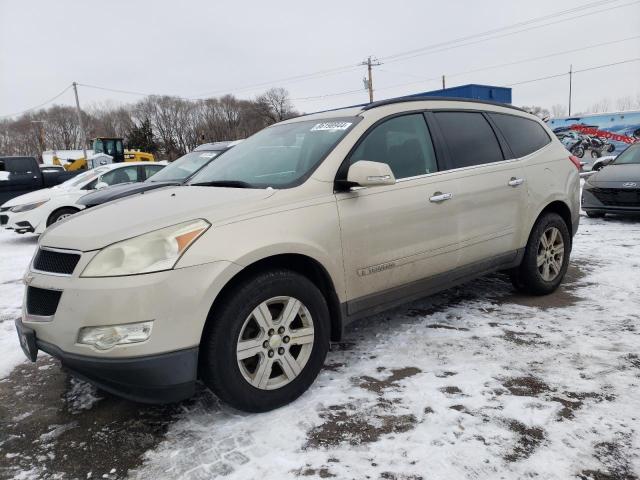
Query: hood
point(132, 216)
point(31, 197)
point(120, 191)
point(614, 175)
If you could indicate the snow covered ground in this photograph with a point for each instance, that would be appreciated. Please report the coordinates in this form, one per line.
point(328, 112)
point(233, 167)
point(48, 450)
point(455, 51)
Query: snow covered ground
point(474, 383)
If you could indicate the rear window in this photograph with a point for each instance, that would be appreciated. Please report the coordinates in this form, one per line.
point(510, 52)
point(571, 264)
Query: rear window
point(524, 136)
point(17, 165)
point(469, 137)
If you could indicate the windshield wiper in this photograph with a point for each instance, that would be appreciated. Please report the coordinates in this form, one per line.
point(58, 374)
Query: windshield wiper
point(223, 183)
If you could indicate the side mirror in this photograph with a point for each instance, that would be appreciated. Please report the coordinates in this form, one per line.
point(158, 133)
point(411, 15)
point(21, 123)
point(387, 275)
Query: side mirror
point(370, 174)
point(100, 185)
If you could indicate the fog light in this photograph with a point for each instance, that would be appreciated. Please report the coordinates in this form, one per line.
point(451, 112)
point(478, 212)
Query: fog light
point(104, 338)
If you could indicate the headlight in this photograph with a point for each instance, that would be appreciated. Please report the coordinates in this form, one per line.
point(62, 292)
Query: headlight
point(27, 206)
point(151, 252)
point(104, 338)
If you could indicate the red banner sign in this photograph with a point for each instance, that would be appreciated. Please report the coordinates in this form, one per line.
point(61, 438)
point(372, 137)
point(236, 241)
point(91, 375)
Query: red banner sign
point(603, 134)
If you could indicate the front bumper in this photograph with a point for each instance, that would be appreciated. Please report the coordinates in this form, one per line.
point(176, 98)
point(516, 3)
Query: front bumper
point(22, 222)
point(591, 203)
point(160, 369)
point(163, 378)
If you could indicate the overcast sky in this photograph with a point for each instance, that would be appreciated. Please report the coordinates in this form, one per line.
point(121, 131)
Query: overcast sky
point(195, 48)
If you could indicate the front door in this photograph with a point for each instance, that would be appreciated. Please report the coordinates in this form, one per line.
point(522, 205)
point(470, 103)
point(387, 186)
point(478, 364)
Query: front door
point(397, 234)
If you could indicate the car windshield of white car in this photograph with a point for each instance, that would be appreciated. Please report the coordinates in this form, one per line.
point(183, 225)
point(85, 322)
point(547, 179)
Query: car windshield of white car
point(182, 168)
point(281, 156)
point(630, 155)
point(83, 178)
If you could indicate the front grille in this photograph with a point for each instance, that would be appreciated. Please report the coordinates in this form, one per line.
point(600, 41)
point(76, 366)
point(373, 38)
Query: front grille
point(617, 197)
point(55, 262)
point(4, 209)
point(42, 302)
point(4, 219)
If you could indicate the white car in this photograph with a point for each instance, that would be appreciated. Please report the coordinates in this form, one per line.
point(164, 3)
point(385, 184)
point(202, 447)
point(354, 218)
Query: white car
point(35, 211)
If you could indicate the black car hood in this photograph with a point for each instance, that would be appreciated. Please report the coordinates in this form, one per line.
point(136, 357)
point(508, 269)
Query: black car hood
point(616, 175)
point(119, 191)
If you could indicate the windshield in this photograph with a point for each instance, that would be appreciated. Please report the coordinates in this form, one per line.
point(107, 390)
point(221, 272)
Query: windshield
point(83, 178)
point(184, 167)
point(281, 156)
point(630, 155)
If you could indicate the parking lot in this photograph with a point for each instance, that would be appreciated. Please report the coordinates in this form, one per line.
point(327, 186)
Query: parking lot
point(477, 382)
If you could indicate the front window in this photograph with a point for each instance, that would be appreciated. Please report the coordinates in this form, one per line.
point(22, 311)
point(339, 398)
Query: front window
point(281, 156)
point(184, 167)
point(629, 156)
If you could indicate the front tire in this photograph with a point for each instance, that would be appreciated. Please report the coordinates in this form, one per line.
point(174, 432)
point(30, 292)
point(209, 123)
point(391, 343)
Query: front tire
point(61, 214)
point(266, 343)
point(546, 257)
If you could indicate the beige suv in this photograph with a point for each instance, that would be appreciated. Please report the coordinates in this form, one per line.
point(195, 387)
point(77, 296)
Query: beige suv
point(243, 277)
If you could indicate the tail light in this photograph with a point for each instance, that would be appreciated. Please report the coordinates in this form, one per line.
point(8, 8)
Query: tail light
point(576, 161)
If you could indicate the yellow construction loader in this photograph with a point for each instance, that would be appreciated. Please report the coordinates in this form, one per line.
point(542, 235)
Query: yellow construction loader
point(113, 147)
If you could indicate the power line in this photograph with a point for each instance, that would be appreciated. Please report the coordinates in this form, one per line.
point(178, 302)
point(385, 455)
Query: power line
point(394, 57)
point(516, 62)
point(127, 92)
point(500, 29)
point(447, 45)
point(38, 106)
point(294, 79)
point(630, 60)
point(432, 49)
point(349, 92)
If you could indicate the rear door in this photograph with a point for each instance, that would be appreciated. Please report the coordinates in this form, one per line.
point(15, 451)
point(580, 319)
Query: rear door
point(394, 236)
point(491, 198)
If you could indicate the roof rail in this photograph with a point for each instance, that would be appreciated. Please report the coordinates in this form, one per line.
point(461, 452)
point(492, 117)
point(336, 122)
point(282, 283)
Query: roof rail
point(417, 98)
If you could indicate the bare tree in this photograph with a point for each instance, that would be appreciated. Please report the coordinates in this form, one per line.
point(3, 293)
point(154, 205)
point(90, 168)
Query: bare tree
point(174, 124)
point(625, 103)
point(558, 110)
point(604, 105)
point(537, 111)
point(274, 105)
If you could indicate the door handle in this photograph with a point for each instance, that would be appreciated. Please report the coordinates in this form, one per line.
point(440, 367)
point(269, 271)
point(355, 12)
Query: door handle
point(440, 197)
point(514, 182)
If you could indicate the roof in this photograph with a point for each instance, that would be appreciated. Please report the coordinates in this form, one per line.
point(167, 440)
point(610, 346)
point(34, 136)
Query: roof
point(355, 110)
point(426, 98)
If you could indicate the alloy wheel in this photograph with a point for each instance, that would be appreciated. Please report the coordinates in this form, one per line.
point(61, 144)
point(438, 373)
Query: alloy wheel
point(550, 254)
point(275, 342)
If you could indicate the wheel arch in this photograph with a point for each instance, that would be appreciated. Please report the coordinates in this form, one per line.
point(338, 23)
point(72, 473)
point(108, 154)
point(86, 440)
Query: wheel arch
point(561, 208)
point(57, 209)
point(296, 262)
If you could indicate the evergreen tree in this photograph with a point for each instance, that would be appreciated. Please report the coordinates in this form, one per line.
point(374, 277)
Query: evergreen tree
point(141, 137)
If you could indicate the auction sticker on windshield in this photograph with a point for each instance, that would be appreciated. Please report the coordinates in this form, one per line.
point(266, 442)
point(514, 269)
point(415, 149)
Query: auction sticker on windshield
point(208, 155)
point(330, 126)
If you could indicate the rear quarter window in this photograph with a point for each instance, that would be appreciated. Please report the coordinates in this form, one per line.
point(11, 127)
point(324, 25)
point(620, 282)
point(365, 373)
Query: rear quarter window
point(523, 135)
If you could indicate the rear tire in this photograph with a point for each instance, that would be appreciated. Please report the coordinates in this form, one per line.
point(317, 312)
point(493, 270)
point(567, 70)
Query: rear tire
point(266, 343)
point(546, 257)
point(61, 214)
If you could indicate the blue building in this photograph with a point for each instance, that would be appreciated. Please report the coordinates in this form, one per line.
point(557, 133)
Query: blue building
point(475, 91)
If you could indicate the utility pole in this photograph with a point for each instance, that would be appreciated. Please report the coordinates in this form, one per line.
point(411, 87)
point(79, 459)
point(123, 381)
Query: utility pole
point(570, 82)
point(369, 80)
point(83, 136)
point(443, 84)
point(40, 137)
